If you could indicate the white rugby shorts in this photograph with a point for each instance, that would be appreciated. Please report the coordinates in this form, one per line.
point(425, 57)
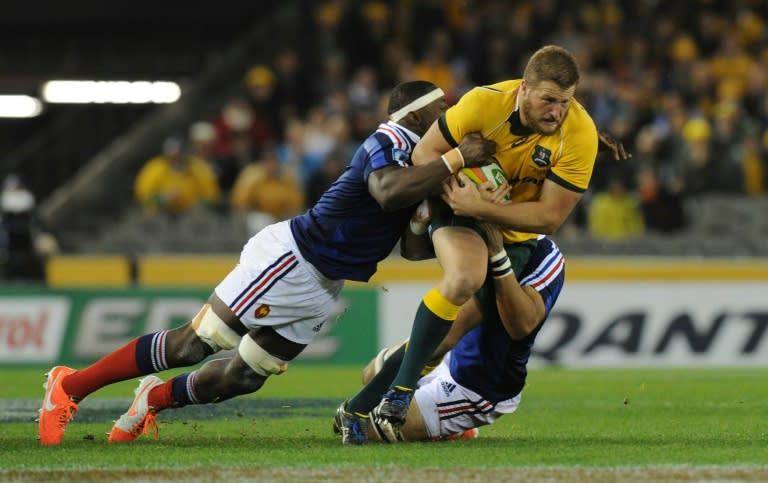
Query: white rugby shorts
point(449, 408)
point(273, 285)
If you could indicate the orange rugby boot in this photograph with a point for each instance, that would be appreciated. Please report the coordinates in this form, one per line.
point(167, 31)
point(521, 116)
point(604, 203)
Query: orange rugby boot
point(58, 408)
point(140, 417)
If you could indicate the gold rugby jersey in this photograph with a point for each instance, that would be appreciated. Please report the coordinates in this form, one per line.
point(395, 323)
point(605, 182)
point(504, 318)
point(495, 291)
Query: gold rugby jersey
point(566, 157)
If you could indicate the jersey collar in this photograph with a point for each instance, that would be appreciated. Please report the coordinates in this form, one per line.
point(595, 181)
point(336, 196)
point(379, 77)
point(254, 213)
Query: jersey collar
point(412, 135)
point(515, 124)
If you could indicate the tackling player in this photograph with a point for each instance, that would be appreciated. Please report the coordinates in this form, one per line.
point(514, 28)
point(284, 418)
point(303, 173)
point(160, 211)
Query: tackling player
point(483, 375)
point(273, 303)
point(547, 145)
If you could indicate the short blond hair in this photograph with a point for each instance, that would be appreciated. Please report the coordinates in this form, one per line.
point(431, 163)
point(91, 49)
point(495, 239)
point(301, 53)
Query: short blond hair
point(552, 63)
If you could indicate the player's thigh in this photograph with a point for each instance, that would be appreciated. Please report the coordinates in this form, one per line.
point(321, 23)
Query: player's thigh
point(274, 286)
point(459, 246)
point(212, 329)
point(463, 256)
point(272, 342)
point(457, 243)
point(261, 353)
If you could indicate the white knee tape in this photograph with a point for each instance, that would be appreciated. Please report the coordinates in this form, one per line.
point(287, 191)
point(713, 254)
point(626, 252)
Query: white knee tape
point(260, 360)
point(213, 331)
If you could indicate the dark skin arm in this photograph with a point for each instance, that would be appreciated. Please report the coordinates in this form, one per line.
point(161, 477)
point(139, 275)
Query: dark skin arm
point(395, 188)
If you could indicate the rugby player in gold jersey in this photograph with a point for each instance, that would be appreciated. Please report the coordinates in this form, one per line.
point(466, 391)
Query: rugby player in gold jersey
point(546, 143)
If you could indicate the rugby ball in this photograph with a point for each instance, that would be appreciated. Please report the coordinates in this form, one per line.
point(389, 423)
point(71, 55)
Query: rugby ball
point(490, 172)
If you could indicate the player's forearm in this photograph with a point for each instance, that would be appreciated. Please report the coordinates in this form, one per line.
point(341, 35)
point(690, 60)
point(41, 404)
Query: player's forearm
point(427, 151)
point(517, 308)
point(530, 216)
point(406, 187)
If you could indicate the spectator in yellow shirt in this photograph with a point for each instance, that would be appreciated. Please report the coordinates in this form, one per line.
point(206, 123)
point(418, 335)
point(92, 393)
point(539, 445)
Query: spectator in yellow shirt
point(176, 181)
point(266, 192)
point(615, 214)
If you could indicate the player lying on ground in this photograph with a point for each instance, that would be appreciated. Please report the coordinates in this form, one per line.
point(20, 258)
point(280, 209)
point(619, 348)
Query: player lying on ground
point(481, 366)
point(286, 285)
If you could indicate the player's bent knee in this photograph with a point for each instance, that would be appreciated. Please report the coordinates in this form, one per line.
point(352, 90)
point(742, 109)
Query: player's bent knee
point(460, 288)
point(213, 331)
point(470, 280)
point(184, 347)
point(261, 361)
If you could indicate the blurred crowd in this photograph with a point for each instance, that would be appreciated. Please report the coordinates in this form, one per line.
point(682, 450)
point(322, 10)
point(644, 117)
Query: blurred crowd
point(681, 84)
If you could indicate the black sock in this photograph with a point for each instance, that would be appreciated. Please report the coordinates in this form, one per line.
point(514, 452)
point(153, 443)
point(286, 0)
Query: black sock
point(427, 333)
point(370, 395)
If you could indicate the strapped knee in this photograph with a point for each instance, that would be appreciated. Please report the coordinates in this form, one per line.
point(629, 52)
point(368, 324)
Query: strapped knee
point(261, 361)
point(213, 331)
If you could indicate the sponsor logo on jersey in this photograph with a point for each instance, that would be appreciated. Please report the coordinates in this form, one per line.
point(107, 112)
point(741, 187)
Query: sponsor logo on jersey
point(401, 157)
point(318, 327)
point(447, 387)
point(541, 156)
point(261, 311)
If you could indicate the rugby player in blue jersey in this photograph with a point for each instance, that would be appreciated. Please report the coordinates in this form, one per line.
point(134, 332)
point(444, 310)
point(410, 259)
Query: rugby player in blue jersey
point(481, 367)
point(274, 302)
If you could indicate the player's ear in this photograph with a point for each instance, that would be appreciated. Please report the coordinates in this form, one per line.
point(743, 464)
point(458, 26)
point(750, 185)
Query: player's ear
point(410, 121)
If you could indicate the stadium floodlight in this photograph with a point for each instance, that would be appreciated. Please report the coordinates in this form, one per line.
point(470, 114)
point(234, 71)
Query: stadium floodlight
point(110, 92)
point(20, 106)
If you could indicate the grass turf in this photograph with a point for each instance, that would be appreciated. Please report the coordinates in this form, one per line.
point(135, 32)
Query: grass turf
point(568, 419)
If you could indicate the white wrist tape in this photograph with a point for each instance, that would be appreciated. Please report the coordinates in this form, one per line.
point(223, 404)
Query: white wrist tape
point(447, 164)
point(499, 256)
point(453, 159)
point(500, 265)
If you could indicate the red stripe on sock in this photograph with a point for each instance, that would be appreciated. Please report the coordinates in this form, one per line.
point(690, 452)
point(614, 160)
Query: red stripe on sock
point(116, 366)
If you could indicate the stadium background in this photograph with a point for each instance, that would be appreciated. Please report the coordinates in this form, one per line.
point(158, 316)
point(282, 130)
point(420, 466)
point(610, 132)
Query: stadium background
point(682, 76)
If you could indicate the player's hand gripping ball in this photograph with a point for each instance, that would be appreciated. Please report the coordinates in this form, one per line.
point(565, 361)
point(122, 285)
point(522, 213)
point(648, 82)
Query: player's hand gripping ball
point(492, 174)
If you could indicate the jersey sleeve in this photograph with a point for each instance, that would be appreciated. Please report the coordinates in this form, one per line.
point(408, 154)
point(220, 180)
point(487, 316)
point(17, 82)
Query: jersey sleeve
point(546, 273)
point(381, 151)
point(574, 169)
point(466, 116)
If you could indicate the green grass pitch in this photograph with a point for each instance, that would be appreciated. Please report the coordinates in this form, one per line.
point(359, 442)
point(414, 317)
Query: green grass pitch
point(572, 425)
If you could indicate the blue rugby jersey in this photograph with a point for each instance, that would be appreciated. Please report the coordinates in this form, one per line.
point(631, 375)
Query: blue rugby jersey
point(347, 233)
point(486, 360)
